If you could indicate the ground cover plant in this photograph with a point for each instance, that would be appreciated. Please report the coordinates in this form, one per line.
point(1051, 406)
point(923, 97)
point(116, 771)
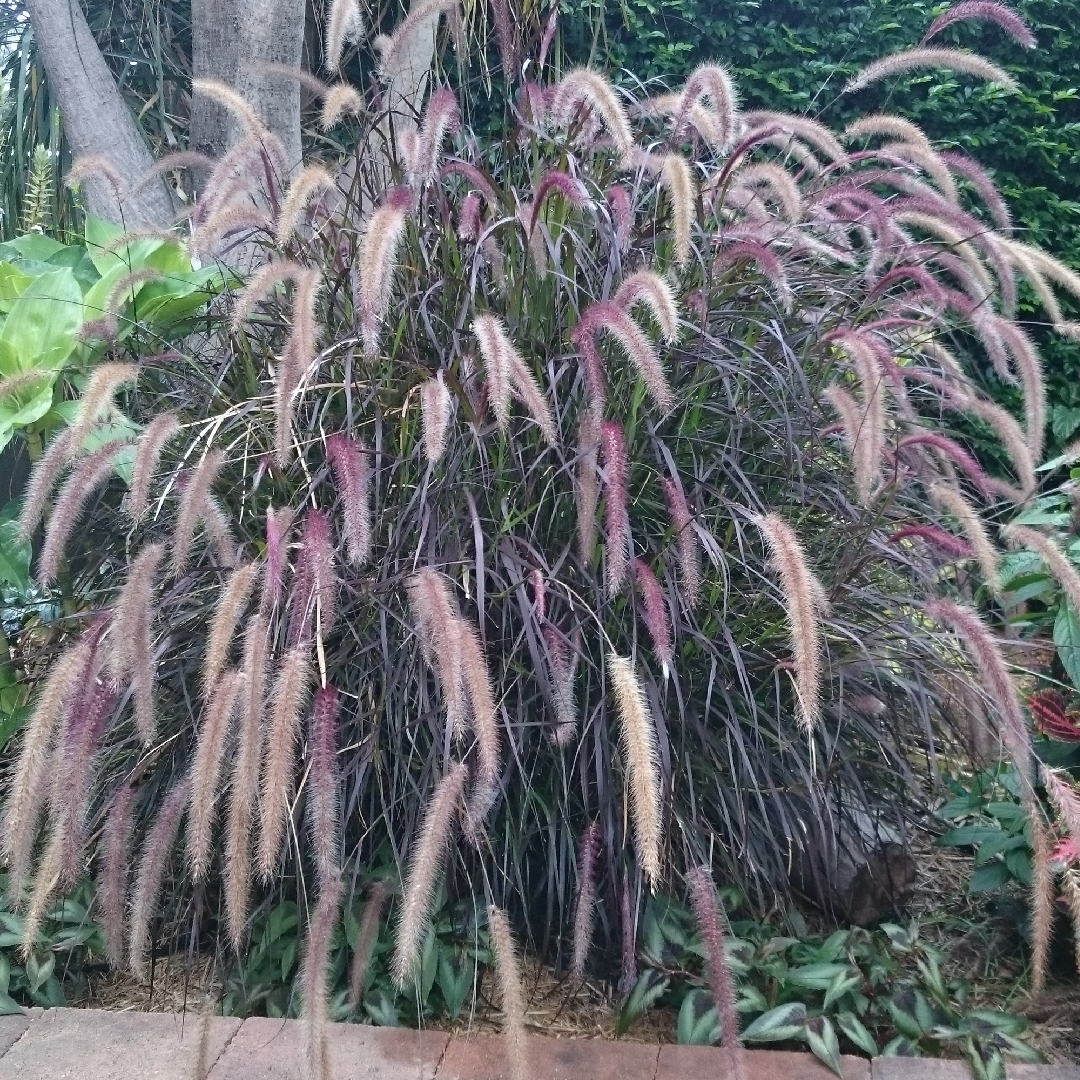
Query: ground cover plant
point(557, 519)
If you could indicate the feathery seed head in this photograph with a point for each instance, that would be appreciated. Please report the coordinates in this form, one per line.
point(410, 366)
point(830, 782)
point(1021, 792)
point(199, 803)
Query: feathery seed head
point(617, 497)
point(932, 57)
point(469, 217)
point(353, 475)
point(685, 538)
point(676, 177)
point(230, 607)
point(278, 524)
point(610, 316)
point(939, 538)
point(622, 215)
point(192, 510)
point(366, 939)
point(656, 614)
point(570, 188)
point(323, 781)
point(561, 664)
point(236, 104)
point(949, 499)
point(508, 972)
point(477, 682)
point(343, 24)
point(711, 82)
point(147, 455)
point(341, 98)
point(112, 887)
point(985, 11)
point(314, 972)
point(436, 406)
point(311, 181)
point(585, 909)
point(641, 761)
point(377, 265)
point(315, 588)
point(656, 293)
point(438, 626)
point(585, 87)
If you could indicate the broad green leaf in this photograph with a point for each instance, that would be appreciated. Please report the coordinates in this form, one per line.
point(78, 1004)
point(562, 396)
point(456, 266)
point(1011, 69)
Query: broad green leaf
point(117, 427)
point(994, 875)
point(856, 1031)
point(649, 988)
point(14, 557)
point(13, 283)
point(288, 959)
point(39, 970)
point(31, 245)
point(131, 256)
point(9, 1006)
point(5, 973)
point(969, 835)
point(381, 1009)
point(779, 1024)
point(699, 1023)
point(821, 1037)
point(1018, 862)
point(1067, 640)
point(454, 983)
point(817, 976)
point(841, 984)
point(41, 330)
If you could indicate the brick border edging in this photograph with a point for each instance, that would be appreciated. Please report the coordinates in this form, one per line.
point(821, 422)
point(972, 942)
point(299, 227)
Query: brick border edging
point(83, 1044)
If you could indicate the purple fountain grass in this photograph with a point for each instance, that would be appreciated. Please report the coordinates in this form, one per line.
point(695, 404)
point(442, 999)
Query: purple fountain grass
point(616, 513)
point(922, 277)
point(955, 453)
point(656, 293)
point(261, 285)
point(767, 262)
point(237, 105)
point(853, 423)
point(193, 507)
point(314, 973)
point(353, 474)
point(511, 992)
point(1058, 563)
point(508, 373)
point(425, 867)
point(343, 25)
point(436, 408)
point(949, 499)
point(85, 479)
point(710, 919)
point(984, 11)
point(475, 178)
point(586, 488)
point(539, 594)
point(288, 699)
point(210, 746)
point(278, 525)
point(932, 57)
point(244, 784)
point(95, 165)
point(1064, 797)
point(377, 263)
point(1011, 437)
point(477, 682)
point(779, 182)
point(592, 367)
point(584, 87)
point(442, 117)
point(131, 639)
point(99, 393)
point(323, 781)
point(469, 217)
point(112, 885)
point(686, 540)
point(952, 545)
point(1027, 360)
point(678, 180)
point(641, 762)
point(622, 215)
point(585, 908)
point(986, 656)
point(151, 873)
point(871, 430)
point(313, 599)
point(422, 17)
point(1071, 886)
point(980, 180)
point(801, 589)
point(28, 786)
point(45, 881)
point(148, 450)
point(628, 975)
point(561, 664)
point(340, 99)
point(1041, 899)
point(438, 628)
point(608, 316)
point(556, 182)
point(230, 607)
point(367, 936)
point(657, 618)
point(810, 131)
point(712, 83)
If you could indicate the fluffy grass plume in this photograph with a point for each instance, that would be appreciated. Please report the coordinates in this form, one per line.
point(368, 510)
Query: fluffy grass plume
point(132, 637)
point(678, 180)
point(193, 507)
point(425, 867)
point(377, 263)
point(343, 24)
point(89, 475)
point(801, 591)
point(561, 665)
point(353, 474)
point(587, 487)
point(984, 11)
point(312, 181)
point(616, 503)
point(28, 785)
point(230, 607)
point(985, 654)
point(148, 450)
point(340, 99)
point(710, 920)
point(585, 907)
point(657, 619)
point(100, 390)
point(477, 682)
point(367, 937)
point(260, 285)
point(438, 626)
point(45, 883)
point(1057, 562)
point(1042, 900)
point(151, 873)
point(711, 83)
point(314, 973)
point(313, 599)
point(949, 499)
point(278, 524)
point(658, 297)
point(932, 57)
point(113, 881)
point(244, 784)
point(584, 87)
point(686, 540)
point(511, 992)
point(210, 749)
point(436, 407)
point(641, 761)
point(288, 699)
point(323, 781)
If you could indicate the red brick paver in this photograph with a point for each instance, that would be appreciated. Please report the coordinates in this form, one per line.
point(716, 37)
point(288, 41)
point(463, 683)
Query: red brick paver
point(483, 1057)
point(267, 1049)
point(701, 1062)
point(82, 1044)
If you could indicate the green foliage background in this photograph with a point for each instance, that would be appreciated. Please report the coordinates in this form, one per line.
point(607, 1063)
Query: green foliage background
point(796, 55)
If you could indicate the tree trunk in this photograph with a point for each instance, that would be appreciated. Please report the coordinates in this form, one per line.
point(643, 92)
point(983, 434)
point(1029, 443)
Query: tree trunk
point(232, 43)
point(96, 118)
